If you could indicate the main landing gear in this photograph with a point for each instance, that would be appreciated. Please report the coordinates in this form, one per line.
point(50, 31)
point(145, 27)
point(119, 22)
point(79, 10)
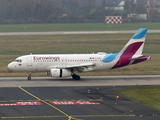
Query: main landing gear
point(29, 76)
point(76, 77)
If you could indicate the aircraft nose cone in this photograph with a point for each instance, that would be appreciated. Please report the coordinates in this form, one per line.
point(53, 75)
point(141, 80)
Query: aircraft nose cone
point(10, 66)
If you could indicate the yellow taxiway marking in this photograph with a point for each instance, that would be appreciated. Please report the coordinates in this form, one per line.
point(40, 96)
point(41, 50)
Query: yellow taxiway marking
point(52, 100)
point(69, 117)
point(102, 115)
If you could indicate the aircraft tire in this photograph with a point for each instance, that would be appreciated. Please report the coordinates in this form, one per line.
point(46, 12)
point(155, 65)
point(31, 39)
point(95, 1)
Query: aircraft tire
point(29, 78)
point(76, 77)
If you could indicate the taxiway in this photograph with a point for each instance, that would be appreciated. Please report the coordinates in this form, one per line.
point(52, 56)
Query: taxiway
point(85, 81)
point(73, 32)
point(91, 98)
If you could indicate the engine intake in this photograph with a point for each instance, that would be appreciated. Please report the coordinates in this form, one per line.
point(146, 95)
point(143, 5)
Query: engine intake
point(60, 73)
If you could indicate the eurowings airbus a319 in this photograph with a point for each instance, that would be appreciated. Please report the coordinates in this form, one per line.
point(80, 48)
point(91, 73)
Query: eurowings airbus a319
point(68, 65)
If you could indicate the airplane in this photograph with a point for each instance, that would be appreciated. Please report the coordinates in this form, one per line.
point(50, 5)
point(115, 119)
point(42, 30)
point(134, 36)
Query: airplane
point(68, 65)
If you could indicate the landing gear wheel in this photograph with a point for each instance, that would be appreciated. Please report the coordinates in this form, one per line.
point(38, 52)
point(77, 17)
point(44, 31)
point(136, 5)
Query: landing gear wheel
point(76, 77)
point(29, 78)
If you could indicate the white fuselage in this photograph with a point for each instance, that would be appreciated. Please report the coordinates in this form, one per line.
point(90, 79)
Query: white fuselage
point(43, 63)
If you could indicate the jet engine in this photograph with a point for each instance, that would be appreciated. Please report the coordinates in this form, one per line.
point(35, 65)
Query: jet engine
point(60, 73)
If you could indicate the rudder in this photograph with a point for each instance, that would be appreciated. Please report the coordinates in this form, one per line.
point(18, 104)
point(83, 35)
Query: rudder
point(136, 43)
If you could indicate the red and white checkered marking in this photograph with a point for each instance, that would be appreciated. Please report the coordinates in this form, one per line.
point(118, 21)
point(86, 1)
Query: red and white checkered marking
point(113, 19)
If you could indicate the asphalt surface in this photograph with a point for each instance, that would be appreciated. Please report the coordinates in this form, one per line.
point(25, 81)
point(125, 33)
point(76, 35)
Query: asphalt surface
point(69, 102)
point(92, 98)
point(74, 32)
point(85, 81)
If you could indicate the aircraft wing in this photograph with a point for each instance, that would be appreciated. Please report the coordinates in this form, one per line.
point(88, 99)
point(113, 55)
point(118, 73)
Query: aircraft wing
point(80, 65)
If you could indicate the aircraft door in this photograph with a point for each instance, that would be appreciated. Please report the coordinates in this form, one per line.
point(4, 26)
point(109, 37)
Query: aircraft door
point(29, 61)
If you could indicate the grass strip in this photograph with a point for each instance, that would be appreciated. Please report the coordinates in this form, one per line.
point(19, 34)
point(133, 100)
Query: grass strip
point(15, 46)
point(146, 95)
point(76, 27)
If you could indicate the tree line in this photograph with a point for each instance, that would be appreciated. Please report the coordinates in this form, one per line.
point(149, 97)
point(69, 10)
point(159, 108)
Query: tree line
point(27, 11)
point(51, 11)
point(60, 11)
point(45, 11)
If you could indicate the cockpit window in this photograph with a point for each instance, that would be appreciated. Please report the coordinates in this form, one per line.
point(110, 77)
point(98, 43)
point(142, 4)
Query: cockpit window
point(18, 60)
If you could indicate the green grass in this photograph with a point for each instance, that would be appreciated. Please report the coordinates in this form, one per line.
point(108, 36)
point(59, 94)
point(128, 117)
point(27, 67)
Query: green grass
point(76, 27)
point(146, 95)
point(15, 46)
point(62, 44)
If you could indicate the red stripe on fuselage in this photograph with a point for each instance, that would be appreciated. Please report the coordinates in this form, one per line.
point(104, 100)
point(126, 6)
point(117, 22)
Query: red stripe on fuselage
point(125, 58)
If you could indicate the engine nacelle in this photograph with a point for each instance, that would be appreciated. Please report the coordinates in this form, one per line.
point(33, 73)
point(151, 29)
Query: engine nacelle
point(60, 73)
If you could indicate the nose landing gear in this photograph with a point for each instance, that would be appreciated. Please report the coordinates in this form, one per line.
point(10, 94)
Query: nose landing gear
point(29, 76)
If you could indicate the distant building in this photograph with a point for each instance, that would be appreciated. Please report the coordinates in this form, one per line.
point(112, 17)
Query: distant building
point(137, 16)
point(153, 6)
point(120, 6)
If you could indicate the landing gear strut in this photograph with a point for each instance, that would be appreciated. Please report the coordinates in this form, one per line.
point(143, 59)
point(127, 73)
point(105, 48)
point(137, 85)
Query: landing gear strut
point(76, 77)
point(29, 76)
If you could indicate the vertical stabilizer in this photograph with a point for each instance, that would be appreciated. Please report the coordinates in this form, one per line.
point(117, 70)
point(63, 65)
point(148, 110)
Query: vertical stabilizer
point(136, 43)
point(131, 53)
